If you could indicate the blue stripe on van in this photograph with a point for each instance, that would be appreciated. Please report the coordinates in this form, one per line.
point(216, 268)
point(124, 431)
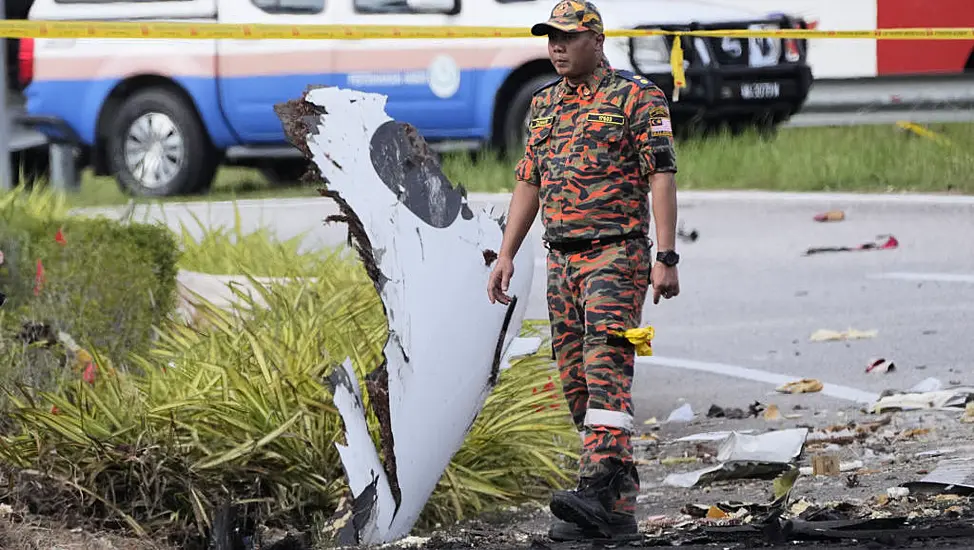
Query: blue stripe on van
point(249, 103)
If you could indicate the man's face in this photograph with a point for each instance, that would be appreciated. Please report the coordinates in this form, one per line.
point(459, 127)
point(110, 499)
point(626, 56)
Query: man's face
point(574, 54)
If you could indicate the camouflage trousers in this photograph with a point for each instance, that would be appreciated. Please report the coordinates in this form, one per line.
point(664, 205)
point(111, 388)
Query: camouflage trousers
point(591, 295)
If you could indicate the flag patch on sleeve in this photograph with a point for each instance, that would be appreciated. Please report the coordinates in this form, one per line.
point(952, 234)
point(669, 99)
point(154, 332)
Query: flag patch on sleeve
point(661, 126)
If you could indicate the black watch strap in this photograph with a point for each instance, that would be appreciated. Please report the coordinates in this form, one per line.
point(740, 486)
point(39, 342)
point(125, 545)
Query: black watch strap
point(668, 257)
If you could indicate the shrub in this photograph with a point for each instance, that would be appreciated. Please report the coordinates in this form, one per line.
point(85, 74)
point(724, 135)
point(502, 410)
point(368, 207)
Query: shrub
point(241, 411)
point(222, 251)
point(103, 282)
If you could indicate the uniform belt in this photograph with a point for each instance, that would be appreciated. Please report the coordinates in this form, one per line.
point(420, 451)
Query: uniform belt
point(579, 245)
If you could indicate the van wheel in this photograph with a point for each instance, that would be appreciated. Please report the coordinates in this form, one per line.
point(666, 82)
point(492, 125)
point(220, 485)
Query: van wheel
point(516, 118)
point(157, 146)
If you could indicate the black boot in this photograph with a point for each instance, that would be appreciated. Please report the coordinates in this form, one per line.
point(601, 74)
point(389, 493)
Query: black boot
point(589, 507)
point(563, 531)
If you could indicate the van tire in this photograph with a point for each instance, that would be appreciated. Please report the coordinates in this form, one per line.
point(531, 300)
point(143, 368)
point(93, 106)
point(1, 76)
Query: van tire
point(512, 140)
point(199, 161)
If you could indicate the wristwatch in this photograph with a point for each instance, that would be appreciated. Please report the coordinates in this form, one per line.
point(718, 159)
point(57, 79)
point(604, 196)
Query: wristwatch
point(668, 258)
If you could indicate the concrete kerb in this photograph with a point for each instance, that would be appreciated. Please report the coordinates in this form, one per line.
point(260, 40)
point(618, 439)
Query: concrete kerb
point(684, 196)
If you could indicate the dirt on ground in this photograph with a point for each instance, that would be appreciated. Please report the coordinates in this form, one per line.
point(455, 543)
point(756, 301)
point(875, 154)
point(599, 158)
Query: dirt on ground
point(876, 455)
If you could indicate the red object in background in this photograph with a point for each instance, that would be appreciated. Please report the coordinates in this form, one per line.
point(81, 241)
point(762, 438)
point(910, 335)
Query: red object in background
point(25, 62)
point(59, 237)
point(896, 57)
point(89, 374)
point(39, 278)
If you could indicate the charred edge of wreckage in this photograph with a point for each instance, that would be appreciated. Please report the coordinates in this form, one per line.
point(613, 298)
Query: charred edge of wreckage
point(495, 367)
point(300, 118)
point(489, 257)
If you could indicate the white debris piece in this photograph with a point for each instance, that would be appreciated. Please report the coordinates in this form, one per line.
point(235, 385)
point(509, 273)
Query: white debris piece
point(683, 413)
point(430, 256)
point(747, 456)
point(520, 347)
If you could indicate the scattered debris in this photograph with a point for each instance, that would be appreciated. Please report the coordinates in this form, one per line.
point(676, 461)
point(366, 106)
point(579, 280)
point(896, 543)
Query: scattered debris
point(825, 335)
point(748, 456)
point(883, 242)
point(683, 413)
point(712, 436)
point(951, 476)
point(827, 469)
point(880, 366)
point(753, 410)
point(928, 384)
point(671, 460)
point(685, 236)
point(825, 465)
point(846, 434)
point(830, 216)
point(953, 398)
point(897, 492)
point(772, 412)
point(805, 385)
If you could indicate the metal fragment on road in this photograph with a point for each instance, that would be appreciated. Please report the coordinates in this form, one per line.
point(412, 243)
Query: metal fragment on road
point(747, 456)
point(427, 253)
point(955, 475)
point(948, 399)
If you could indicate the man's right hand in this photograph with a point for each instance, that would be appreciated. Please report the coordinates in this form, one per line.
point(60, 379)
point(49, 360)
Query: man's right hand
point(499, 281)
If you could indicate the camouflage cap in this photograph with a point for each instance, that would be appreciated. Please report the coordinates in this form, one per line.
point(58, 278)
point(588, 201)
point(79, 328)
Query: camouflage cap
point(571, 16)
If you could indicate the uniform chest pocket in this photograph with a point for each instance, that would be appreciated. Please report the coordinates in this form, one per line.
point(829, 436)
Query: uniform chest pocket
point(603, 127)
point(600, 139)
point(539, 131)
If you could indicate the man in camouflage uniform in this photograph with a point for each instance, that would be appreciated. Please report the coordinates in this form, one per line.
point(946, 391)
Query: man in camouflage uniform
point(600, 141)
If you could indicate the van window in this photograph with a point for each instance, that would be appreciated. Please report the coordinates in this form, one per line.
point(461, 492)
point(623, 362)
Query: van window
point(382, 6)
point(112, 1)
point(291, 6)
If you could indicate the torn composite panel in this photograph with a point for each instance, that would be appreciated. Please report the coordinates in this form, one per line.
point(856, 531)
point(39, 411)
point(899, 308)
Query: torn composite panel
point(427, 253)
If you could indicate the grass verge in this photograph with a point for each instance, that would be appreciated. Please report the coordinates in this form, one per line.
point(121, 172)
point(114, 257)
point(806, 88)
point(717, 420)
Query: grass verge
point(880, 158)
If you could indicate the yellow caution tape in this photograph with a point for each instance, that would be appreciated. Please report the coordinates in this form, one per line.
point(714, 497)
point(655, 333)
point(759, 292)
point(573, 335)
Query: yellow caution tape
point(676, 66)
point(925, 132)
point(642, 338)
point(17, 28)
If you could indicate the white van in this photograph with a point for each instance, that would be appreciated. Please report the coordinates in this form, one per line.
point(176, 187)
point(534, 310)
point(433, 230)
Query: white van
point(161, 115)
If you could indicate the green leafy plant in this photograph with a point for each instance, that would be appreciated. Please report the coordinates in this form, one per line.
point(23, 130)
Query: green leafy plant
point(223, 251)
point(235, 407)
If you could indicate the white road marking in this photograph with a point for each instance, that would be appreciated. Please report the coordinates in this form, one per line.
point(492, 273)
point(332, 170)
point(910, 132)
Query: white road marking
point(733, 371)
point(941, 277)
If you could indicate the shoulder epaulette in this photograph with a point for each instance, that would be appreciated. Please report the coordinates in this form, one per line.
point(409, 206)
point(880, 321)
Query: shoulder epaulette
point(546, 85)
point(640, 80)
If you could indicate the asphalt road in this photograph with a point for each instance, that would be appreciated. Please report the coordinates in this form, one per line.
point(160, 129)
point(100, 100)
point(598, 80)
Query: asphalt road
point(750, 300)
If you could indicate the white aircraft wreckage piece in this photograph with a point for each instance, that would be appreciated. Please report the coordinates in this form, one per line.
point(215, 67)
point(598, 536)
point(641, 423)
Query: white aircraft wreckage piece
point(430, 257)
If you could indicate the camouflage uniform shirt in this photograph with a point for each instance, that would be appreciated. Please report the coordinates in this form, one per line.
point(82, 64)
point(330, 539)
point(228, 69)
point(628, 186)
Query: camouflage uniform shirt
point(591, 150)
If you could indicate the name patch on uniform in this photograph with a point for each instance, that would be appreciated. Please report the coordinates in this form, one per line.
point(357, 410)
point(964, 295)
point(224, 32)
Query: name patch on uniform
point(606, 118)
point(541, 122)
point(661, 126)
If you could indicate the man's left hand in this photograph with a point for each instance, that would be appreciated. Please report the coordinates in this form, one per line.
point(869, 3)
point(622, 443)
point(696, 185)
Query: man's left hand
point(666, 282)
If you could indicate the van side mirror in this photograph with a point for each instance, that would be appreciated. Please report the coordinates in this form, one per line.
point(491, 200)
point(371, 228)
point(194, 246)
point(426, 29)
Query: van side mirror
point(450, 7)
